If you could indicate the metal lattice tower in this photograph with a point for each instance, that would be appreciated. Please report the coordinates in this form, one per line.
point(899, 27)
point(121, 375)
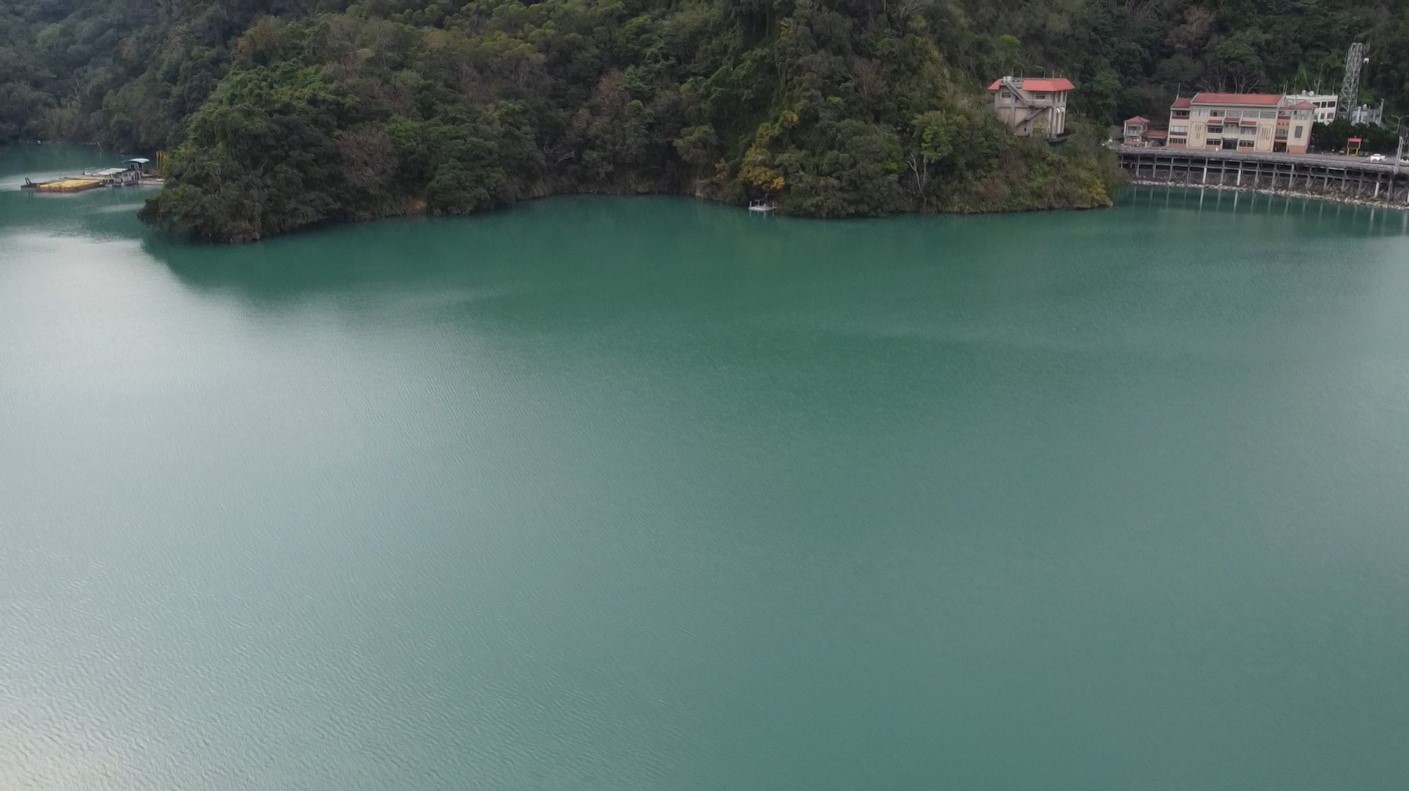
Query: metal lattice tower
point(1350, 86)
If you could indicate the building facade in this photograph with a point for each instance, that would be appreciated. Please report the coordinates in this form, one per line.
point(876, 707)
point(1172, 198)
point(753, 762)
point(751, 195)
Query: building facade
point(1032, 105)
point(1135, 129)
point(1247, 122)
point(1137, 132)
point(1326, 104)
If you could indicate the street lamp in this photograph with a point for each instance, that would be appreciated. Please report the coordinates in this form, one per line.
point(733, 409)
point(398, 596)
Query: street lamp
point(1399, 137)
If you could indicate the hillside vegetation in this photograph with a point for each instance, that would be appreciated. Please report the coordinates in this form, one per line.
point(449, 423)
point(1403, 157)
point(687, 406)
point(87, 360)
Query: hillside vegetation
point(284, 114)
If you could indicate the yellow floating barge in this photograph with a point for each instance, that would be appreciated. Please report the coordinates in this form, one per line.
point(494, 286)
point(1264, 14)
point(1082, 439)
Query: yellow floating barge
point(135, 173)
point(64, 185)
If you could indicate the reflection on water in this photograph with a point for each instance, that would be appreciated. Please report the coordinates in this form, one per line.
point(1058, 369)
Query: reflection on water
point(1315, 216)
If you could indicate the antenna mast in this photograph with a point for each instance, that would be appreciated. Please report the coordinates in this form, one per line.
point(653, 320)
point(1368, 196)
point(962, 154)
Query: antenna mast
point(1350, 87)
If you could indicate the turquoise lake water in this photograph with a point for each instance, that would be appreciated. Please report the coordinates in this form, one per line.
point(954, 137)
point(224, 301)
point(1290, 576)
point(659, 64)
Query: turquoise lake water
point(650, 493)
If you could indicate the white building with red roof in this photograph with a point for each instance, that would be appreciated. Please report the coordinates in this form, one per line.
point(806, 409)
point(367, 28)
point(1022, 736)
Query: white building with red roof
point(1135, 129)
point(1247, 122)
point(1032, 105)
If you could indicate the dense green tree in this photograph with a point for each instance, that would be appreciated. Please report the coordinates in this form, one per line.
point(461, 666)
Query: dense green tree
point(283, 114)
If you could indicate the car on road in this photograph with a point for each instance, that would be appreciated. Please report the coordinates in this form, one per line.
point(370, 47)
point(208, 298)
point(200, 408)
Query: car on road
point(1377, 157)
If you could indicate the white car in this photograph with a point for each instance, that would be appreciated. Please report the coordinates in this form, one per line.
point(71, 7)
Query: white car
point(1377, 157)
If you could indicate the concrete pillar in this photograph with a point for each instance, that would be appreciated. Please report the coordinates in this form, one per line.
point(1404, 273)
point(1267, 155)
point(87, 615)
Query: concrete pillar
point(1205, 178)
point(1239, 182)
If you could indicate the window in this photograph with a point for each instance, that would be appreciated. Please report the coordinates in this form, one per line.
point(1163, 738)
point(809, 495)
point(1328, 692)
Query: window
point(1215, 130)
point(1179, 114)
point(1215, 113)
point(1006, 95)
point(1244, 144)
point(1039, 95)
point(1178, 129)
point(1177, 141)
point(1299, 130)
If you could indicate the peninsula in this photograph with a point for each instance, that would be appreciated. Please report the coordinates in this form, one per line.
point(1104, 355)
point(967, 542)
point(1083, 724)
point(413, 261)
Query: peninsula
point(277, 115)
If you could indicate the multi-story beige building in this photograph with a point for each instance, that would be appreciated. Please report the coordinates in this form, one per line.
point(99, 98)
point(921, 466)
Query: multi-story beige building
point(1032, 105)
point(1248, 122)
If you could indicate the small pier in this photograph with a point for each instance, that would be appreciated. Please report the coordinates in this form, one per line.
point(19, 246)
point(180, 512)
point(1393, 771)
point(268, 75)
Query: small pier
point(1329, 177)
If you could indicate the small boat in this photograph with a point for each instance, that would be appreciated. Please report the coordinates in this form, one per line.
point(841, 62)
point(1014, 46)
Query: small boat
point(761, 206)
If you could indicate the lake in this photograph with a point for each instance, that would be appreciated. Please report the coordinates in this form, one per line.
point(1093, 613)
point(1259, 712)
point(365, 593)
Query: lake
point(651, 493)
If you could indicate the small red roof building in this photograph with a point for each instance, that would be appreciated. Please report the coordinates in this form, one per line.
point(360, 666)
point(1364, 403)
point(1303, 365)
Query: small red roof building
point(1139, 119)
point(1181, 103)
point(1053, 84)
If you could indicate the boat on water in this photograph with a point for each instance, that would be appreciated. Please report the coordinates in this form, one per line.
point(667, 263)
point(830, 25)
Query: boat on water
point(67, 184)
point(762, 207)
point(134, 174)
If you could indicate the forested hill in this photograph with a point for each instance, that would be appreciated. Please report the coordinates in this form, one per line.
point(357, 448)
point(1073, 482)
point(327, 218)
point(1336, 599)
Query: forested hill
point(1130, 57)
point(288, 113)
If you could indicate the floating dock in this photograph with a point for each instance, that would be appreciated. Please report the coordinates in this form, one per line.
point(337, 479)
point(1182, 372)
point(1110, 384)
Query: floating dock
point(134, 174)
point(71, 184)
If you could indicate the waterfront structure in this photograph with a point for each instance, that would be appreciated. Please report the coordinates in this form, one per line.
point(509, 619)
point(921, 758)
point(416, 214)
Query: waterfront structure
point(134, 173)
point(1351, 179)
point(1246, 122)
point(1032, 106)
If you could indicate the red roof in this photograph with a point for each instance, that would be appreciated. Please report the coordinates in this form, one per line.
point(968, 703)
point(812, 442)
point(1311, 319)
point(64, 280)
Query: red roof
point(1039, 84)
point(1181, 103)
point(1139, 119)
point(1239, 99)
point(1303, 106)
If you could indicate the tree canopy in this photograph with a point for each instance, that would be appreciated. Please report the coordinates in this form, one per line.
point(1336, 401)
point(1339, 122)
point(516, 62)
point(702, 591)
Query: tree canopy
point(284, 114)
